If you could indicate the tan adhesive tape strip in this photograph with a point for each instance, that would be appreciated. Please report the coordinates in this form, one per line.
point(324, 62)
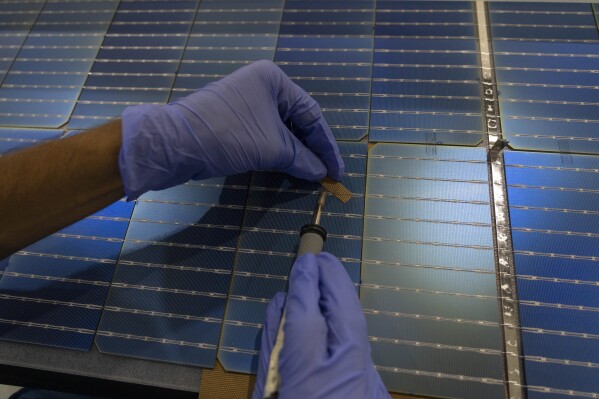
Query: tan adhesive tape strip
point(336, 188)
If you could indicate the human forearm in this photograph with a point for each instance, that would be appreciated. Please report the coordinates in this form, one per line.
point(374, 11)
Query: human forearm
point(52, 185)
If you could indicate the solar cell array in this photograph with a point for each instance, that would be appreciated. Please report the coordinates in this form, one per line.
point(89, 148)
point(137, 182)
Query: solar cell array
point(184, 275)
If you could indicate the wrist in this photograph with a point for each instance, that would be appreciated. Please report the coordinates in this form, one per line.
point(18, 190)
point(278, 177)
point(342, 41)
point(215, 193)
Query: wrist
point(149, 156)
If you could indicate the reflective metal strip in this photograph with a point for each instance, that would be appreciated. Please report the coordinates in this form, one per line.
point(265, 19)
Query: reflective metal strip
point(500, 214)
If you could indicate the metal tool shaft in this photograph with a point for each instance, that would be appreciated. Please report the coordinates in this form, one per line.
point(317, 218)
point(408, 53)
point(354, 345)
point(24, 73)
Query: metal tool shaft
point(322, 196)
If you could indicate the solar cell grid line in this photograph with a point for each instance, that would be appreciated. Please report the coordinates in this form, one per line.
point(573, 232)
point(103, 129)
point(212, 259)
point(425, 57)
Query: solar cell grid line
point(425, 79)
point(46, 77)
point(428, 285)
point(277, 207)
point(565, 21)
point(554, 210)
point(16, 19)
point(137, 61)
point(224, 37)
point(326, 48)
point(52, 291)
point(168, 294)
point(547, 75)
point(13, 139)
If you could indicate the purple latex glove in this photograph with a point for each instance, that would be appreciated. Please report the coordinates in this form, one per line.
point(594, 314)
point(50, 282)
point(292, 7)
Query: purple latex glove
point(325, 353)
point(234, 125)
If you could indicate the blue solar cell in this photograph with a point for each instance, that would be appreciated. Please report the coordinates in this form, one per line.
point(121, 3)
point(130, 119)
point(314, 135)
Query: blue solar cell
point(14, 139)
point(542, 7)
point(548, 78)
point(442, 331)
point(239, 361)
point(424, 58)
point(408, 102)
point(512, 18)
point(465, 30)
point(545, 32)
point(425, 127)
point(563, 376)
point(552, 210)
point(555, 320)
point(45, 335)
point(556, 221)
point(552, 267)
point(424, 5)
point(566, 347)
point(409, 381)
point(432, 85)
point(21, 17)
point(538, 111)
point(167, 338)
point(351, 22)
point(174, 271)
point(426, 88)
point(564, 61)
point(344, 68)
point(166, 302)
point(441, 18)
point(423, 260)
point(436, 360)
point(551, 134)
point(31, 287)
point(257, 287)
point(425, 72)
point(564, 293)
point(544, 243)
point(427, 305)
point(49, 313)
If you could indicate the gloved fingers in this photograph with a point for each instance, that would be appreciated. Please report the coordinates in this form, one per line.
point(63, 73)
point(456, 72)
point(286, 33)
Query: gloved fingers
point(304, 164)
point(305, 328)
point(341, 308)
point(303, 111)
point(274, 311)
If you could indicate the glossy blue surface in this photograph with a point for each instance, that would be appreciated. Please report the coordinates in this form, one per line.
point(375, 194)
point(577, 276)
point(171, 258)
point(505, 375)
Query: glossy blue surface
point(425, 84)
point(48, 73)
point(539, 111)
point(385, 71)
point(553, 208)
point(52, 292)
point(323, 51)
point(173, 275)
point(427, 258)
point(138, 60)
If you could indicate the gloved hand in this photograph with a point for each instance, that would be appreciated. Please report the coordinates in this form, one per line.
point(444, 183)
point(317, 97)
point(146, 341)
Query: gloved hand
point(234, 125)
point(325, 353)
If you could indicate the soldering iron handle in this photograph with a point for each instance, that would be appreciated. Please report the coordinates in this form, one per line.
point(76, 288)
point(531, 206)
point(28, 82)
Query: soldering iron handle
point(312, 237)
